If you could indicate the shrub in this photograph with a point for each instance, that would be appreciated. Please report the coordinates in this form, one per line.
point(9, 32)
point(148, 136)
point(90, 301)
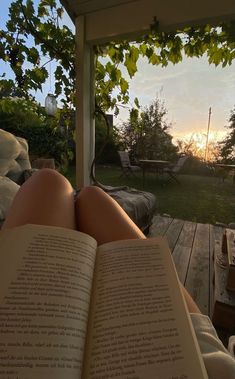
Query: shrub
point(195, 166)
point(27, 119)
point(110, 151)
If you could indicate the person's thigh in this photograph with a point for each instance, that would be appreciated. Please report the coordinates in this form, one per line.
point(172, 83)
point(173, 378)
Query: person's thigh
point(102, 217)
point(45, 199)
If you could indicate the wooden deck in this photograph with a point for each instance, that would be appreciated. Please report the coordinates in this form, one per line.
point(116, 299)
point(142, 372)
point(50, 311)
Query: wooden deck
point(192, 245)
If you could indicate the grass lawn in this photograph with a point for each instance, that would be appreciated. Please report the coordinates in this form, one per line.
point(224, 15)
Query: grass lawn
point(198, 198)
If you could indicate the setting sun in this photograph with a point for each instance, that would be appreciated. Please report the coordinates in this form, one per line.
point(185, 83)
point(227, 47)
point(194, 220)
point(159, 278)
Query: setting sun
point(196, 144)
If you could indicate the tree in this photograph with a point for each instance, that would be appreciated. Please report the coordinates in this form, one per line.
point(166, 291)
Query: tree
point(148, 136)
point(195, 145)
point(48, 37)
point(227, 150)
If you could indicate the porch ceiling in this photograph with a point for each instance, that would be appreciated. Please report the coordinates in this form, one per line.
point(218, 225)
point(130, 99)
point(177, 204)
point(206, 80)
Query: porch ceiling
point(114, 19)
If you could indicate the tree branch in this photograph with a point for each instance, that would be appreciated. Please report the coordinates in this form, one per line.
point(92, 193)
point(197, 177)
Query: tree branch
point(35, 33)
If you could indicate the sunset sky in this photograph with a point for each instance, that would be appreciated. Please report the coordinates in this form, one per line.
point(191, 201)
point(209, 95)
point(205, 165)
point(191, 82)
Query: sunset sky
point(188, 90)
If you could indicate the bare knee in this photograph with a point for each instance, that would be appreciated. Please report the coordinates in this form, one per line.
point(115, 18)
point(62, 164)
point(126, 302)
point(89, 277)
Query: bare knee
point(47, 177)
point(90, 193)
point(47, 174)
point(90, 197)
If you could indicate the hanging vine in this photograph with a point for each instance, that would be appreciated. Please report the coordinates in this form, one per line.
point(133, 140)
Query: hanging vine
point(35, 32)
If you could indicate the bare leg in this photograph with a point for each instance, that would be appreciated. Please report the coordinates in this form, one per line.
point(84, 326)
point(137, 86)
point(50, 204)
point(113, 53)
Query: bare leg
point(101, 217)
point(192, 306)
point(45, 199)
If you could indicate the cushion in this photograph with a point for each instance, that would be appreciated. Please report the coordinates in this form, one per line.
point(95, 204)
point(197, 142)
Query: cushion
point(28, 173)
point(139, 205)
point(14, 157)
point(8, 190)
point(9, 151)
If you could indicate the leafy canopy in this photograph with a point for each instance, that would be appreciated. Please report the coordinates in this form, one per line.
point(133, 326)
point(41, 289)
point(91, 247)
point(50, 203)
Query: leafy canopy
point(147, 136)
point(227, 151)
point(33, 32)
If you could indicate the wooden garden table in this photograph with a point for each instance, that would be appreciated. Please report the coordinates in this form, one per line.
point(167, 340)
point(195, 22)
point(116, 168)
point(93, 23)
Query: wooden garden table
point(158, 165)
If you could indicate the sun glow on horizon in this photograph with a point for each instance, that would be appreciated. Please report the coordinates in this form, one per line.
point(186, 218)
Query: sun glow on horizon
point(200, 136)
point(196, 142)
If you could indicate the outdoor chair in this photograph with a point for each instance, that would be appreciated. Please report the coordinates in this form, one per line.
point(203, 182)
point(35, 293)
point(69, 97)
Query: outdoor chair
point(127, 168)
point(173, 170)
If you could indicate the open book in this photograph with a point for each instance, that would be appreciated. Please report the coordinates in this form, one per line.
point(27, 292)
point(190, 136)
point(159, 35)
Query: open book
point(71, 310)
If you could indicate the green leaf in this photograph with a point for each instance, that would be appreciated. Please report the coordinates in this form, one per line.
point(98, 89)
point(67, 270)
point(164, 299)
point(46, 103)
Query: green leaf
point(216, 57)
point(189, 50)
point(125, 99)
point(134, 53)
point(174, 56)
point(124, 85)
point(149, 52)
point(33, 55)
point(115, 75)
point(143, 48)
point(155, 59)
point(38, 75)
point(60, 12)
point(112, 52)
point(109, 67)
point(136, 101)
point(130, 65)
point(134, 115)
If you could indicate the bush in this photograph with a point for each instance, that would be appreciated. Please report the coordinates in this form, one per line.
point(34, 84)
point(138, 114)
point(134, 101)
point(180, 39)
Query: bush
point(110, 151)
point(25, 118)
point(195, 166)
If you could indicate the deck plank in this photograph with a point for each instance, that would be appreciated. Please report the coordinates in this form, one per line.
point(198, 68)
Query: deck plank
point(192, 246)
point(183, 248)
point(197, 280)
point(159, 226)
point(173, 232)
point(216, 234)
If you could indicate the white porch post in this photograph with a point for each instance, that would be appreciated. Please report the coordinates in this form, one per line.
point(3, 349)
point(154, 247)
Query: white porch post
point(85, 123)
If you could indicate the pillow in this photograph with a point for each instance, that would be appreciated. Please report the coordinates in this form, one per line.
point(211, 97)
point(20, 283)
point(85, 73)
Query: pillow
point(9, 150)
point(14, 157)
point(8, 190)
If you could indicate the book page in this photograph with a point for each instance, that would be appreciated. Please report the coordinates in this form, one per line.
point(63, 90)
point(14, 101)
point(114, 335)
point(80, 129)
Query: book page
point(139, 326)
point(45, 286)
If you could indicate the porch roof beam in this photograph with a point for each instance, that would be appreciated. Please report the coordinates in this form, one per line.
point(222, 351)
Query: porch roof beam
point(119, 19)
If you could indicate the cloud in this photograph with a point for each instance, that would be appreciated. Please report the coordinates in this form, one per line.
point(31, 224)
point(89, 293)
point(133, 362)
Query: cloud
point(188, 89)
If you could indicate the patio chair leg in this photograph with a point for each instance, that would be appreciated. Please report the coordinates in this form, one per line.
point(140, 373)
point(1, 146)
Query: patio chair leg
point(126, 172)
point(173, 177)
point(123, 174)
